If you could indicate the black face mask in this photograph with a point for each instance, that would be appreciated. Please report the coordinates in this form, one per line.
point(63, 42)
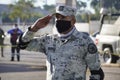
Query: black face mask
point(62, 25)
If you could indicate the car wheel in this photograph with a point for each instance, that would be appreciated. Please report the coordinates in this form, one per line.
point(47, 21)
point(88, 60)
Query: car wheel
point(114, 59)
point(107, 57)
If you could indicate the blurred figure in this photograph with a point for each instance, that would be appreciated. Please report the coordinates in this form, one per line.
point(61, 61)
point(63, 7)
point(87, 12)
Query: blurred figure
point(2, 36)
point(15, 33)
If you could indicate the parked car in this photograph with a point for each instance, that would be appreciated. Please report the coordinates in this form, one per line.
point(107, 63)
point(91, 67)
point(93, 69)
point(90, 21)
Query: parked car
point(108, 41)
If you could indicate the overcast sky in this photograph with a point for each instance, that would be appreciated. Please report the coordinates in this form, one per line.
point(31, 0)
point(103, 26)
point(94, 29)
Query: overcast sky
point(38, 3)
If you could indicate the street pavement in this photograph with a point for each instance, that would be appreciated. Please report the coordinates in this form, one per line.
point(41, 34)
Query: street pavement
point(32, 67)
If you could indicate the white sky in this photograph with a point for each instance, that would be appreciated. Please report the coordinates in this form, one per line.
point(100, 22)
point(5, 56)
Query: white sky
point(38, 3)
point(41, 3)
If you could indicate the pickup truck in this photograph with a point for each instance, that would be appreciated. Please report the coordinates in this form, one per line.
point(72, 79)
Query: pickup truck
point(108, 42)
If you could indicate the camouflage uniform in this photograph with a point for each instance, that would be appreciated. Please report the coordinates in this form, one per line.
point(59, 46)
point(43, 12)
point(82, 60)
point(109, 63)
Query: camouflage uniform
point(67, 57)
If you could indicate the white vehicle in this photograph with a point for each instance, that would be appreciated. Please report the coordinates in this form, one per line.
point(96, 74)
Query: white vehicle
point(108, 41)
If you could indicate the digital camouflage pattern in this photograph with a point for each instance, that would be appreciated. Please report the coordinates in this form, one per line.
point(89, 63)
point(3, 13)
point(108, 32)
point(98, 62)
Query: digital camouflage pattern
point(67, 57)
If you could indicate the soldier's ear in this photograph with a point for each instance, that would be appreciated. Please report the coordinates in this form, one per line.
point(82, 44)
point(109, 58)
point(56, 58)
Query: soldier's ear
point(73, 20)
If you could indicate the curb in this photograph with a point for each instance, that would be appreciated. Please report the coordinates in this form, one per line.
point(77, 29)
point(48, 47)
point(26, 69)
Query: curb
point(110, 65)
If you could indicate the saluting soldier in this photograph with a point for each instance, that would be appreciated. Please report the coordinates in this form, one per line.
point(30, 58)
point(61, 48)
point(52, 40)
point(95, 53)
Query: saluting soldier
point(70, 53)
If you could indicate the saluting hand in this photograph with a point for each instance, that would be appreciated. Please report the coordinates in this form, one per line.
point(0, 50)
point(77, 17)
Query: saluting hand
point(41, 23)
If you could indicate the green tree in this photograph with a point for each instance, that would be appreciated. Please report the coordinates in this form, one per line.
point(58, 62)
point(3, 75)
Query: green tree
point(95, 4)
point(80, 4)
point(81, 11)
point(50, 8)
point(111, 5)
point(22, 9)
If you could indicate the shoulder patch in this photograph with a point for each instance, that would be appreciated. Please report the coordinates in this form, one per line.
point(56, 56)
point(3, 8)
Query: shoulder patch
point(92, 48)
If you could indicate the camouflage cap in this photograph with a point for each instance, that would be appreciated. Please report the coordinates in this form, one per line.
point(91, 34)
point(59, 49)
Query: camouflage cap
point(65, 10)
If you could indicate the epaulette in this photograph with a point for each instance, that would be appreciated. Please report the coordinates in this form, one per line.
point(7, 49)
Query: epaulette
point(86, 33)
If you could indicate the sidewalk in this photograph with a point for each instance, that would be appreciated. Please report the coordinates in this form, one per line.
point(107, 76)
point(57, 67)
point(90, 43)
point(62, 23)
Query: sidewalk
point(31, 66)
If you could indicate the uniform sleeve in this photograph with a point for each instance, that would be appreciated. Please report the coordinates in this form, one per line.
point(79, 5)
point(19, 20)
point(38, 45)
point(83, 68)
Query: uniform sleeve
point(28, 42)
point(92, 60)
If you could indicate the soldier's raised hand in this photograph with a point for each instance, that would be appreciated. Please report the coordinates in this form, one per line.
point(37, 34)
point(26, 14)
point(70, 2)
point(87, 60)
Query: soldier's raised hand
point(41, 23)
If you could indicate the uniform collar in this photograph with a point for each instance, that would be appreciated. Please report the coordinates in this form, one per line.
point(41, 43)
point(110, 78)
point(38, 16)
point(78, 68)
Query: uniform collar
point(68, 34)
point(71, 35)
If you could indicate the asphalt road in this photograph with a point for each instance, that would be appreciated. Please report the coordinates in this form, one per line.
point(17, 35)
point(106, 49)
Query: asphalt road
point(32, 67)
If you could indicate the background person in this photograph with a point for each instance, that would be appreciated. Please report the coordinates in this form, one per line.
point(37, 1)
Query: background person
point(2, 36)
point(70, 53)
point(14, 34)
